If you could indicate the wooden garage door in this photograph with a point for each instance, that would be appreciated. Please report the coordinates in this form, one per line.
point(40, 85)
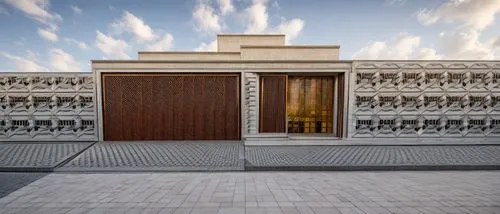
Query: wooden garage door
point(171, 107)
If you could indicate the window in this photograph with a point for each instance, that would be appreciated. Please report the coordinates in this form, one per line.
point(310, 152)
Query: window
point(310, 104)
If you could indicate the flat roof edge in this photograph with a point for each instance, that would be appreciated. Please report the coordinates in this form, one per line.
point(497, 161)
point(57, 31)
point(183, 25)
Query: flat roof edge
point(249, 35)
point(292, 46)
point(186, 52)
point(220, 61)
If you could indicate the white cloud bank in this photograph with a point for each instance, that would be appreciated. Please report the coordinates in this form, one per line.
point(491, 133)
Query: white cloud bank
point(61, 61)
point(111, 47)
point(463, 43)
point(48, 34)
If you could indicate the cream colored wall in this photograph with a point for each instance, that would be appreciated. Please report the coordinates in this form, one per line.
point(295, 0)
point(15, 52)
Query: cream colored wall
point(230, 66)
point(188, 56)
point(290, 53)
point(232, 43)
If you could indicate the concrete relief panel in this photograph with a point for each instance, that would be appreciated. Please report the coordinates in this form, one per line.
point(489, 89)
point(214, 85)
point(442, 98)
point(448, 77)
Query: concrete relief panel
point(425, 99)
point(47, 106)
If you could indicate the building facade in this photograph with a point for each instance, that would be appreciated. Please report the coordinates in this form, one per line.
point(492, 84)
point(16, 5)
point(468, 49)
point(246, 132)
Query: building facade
point(253, 88)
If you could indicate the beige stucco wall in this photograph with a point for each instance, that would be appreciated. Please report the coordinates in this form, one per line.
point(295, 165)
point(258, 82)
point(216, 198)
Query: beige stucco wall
point(232, 43)
point(230, 66)
point(290, 53)
point(190, 56)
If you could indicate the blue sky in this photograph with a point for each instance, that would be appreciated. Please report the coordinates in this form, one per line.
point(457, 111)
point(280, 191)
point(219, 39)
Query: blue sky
point(64, 35)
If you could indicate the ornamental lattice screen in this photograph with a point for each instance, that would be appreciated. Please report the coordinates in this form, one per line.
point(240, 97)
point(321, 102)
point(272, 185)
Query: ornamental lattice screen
point(47, 106)
point(424, 99)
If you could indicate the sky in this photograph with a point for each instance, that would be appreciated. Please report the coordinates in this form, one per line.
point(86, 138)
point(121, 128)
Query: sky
point(64, 35)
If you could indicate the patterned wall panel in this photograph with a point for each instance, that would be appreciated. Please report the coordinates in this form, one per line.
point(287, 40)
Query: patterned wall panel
point(250, 103)
point(424, 99)
point(47, 106)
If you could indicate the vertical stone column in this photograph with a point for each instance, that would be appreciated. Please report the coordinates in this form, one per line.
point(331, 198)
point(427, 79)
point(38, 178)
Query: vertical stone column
point(251, 103)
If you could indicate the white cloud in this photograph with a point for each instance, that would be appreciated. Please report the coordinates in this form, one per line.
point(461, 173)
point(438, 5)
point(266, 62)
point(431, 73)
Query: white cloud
point(133, 24)
point(405, 47)
point(61, 61)
point(290, 28)
point(225, 6)
point(428, 54)
point(257, 17)
point(472, 13)
point(110, 46)
point(25, 65)
point(162, 44)
point(212, 46)
point(76, 9)
point(36, 9)
point(258, 22)
point(206, 20)
point(395, 2)
point(464, 44)
point(48, 34)
point(81, 45)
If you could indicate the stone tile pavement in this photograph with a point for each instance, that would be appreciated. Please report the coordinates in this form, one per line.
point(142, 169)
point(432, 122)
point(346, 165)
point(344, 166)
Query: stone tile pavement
point(457, 157)
point(158, 156)
point(37, 156)
point(10, 182)
point(261, 192)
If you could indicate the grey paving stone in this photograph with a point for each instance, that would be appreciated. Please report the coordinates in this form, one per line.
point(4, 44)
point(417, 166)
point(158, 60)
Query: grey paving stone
point(10, 182)
point(372, 157)
point(171, 156)
point(38, 156)
point(396, 192)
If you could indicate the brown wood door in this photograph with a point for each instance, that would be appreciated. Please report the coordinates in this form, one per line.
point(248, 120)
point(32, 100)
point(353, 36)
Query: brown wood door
point(273, 104)
point(171, 107)
point(340, 105)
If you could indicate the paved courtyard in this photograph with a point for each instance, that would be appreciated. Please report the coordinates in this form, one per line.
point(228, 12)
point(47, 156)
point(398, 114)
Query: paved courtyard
point(372, 157)
point(38, 156)
point(157, 156)
point(260, 192)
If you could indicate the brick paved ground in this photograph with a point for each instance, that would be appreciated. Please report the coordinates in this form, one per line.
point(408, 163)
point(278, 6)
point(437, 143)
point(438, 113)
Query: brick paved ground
point(261, 192)
point(39, 156)
point(10, 182)
point(371, 157)
point(170, 156)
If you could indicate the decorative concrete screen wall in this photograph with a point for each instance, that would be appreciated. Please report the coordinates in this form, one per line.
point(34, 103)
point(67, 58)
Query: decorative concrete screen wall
point(424, 99)
point(47, 106)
